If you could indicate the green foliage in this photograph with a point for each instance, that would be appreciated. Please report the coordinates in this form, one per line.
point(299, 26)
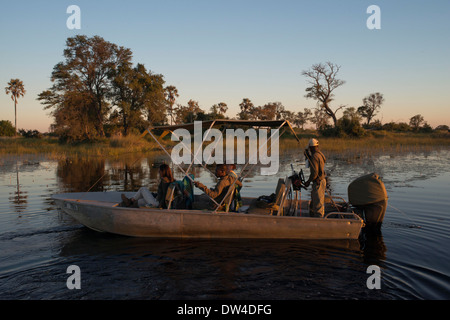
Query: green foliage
point(347, 126)
point(6, 129)
point(82, 85)
point(397, 127)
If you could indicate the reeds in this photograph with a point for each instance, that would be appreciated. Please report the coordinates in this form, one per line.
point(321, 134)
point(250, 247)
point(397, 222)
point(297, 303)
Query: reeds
point(377, 142)
point(111, 147)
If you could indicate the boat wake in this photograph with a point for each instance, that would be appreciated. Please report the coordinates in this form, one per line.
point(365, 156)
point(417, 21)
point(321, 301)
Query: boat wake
point(23, 234)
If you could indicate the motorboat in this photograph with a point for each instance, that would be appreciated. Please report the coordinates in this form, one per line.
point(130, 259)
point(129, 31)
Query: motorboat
point(283, 216)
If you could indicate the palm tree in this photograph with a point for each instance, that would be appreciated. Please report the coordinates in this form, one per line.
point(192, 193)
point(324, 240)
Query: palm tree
point(17, 90)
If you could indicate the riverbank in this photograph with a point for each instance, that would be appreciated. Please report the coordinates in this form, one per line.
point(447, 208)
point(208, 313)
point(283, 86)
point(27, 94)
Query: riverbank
point(50, 146)
point(378, 142)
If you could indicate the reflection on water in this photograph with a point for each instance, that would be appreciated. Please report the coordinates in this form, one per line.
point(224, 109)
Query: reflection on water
point(18, 198)
point(38, 241)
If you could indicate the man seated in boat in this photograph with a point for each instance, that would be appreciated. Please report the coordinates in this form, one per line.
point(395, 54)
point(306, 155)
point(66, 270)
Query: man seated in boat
point(217, 193)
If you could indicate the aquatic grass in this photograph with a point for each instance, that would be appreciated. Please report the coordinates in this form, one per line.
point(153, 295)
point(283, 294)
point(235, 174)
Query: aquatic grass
point(388, 143)
point(376, 142)
point(50, 146)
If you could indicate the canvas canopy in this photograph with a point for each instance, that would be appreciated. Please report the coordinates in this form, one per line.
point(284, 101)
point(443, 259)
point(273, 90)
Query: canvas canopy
point(217, 122)
point(366, 190)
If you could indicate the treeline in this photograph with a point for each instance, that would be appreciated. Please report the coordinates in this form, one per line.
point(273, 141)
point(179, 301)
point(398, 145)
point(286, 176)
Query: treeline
point(97, 92)
point(349, 125)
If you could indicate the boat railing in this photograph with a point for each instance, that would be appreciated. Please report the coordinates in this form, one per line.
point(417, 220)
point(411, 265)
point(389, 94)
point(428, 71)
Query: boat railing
point(342, 215)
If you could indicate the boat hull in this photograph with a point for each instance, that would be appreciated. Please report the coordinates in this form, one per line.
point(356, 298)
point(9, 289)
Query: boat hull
point(104, 216)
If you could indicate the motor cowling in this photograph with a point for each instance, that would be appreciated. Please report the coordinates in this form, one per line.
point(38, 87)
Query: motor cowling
point(368, 195)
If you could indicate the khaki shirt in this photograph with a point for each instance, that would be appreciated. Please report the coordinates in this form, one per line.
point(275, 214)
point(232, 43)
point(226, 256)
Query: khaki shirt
point(221, 188)
point(316, 166)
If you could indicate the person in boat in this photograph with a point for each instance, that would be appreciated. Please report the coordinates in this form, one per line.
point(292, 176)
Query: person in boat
point(146, 198)
point(230, 171)
point(217, 193)
point(238, 183)
point(316, 160)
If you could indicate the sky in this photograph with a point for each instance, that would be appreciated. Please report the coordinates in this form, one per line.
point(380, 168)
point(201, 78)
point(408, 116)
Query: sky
point(223, 51)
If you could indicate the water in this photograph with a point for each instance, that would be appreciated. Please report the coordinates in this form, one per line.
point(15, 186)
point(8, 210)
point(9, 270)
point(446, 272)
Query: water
point(38, 242)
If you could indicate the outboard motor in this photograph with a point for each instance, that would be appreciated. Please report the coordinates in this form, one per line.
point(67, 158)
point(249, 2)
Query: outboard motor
point(369, 197)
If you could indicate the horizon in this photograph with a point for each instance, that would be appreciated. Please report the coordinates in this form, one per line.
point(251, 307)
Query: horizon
point(226, 51)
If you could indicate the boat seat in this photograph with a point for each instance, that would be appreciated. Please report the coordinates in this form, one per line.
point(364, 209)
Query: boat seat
point(227, 206)
point(280, 192)
point(234, 202)
point(180, 194)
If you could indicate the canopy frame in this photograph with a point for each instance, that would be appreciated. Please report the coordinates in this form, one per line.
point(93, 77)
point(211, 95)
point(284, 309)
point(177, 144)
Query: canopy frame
point(210, 124)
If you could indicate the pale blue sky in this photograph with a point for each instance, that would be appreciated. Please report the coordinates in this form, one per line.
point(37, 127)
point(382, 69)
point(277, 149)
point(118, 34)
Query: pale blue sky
point(218, 50)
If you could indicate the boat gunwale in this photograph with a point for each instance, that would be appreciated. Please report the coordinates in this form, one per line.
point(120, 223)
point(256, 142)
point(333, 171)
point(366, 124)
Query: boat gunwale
point(113, 205)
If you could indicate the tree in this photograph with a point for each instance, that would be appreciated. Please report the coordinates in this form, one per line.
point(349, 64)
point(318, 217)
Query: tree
point(323, 81)
point(443, 127)
point(82, 86)
point(301, 118)
point(219, 110)
point(247, 110)
point(189, 113)
point(349, 124)
point(171, 94)
point(6, 128)
point(370, 105)
point(319, 118)
point(16, 89)
point(352, 114)
point(136, 91)
point(266, 112)
point(415, 122)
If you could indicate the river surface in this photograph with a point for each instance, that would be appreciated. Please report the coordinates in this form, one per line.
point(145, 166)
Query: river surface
point(38, 242)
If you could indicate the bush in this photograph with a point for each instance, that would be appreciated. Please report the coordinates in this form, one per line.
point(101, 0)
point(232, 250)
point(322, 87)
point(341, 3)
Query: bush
point(30, 133)
point(374, 125)
point(442, 127)
point(345, 127)
point(426, 128)
point(130, 141)
point(398, 127)
point(6, 129)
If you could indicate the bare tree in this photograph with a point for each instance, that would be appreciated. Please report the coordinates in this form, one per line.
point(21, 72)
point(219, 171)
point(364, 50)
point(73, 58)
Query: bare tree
point(416, 121)
point(323, 81)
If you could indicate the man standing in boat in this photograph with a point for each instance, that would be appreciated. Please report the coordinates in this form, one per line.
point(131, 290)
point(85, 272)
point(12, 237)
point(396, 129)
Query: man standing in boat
point(316, 161)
